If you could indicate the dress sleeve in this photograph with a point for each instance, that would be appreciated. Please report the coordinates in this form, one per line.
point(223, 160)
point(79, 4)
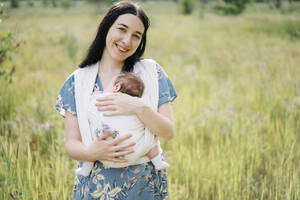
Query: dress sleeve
point(65, 100)
point(166, 89)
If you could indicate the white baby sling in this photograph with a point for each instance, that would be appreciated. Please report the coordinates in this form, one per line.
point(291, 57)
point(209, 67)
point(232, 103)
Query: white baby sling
point(84, 83)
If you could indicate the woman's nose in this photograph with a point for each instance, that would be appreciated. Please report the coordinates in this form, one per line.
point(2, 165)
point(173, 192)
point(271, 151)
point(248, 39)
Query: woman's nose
point(127, 40)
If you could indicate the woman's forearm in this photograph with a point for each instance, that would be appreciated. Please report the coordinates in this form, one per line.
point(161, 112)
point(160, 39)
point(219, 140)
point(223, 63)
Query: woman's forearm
point(160, 123)
point(78, 151)
point(74, 146)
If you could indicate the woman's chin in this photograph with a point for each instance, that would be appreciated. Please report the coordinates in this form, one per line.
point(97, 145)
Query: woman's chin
point(118, 58)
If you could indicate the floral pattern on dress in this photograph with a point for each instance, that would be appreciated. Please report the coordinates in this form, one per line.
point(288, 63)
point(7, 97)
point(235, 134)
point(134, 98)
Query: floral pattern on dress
point(138, 182)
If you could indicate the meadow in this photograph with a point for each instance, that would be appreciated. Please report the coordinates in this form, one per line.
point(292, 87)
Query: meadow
point(237, 115)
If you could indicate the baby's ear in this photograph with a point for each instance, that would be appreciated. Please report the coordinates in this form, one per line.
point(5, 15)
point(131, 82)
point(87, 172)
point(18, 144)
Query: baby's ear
point(117, 87)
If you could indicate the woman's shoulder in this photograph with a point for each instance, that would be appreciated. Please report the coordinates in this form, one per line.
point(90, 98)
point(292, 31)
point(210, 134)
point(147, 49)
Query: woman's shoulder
point(148, 61)
point(160, 71)
point(70, 79)
point(86, 69)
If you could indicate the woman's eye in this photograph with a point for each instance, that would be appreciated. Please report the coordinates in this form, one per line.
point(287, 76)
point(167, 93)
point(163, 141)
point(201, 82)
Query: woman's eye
point(136, 36)
point(122, 29)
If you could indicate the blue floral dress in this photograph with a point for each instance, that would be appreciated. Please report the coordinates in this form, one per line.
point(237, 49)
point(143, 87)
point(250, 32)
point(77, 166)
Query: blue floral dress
point(136, 182)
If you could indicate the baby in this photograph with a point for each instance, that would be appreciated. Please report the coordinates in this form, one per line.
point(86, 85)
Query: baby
point(130, 84)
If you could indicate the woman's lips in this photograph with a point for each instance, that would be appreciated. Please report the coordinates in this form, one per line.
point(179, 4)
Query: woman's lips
point(122, 49)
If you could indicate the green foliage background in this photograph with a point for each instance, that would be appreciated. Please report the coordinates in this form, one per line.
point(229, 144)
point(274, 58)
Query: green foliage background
point(237, 116)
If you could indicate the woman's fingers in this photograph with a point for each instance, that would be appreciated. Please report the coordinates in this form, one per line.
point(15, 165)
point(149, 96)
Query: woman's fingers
point(123, 153)
point(121, 139)
point(106, 135)
point(107, 108)
point(103, 99)
point(123, 146)
point(112, 113)
point(104, 103)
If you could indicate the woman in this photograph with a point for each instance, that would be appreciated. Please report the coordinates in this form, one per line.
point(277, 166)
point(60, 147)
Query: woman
point(118, 46)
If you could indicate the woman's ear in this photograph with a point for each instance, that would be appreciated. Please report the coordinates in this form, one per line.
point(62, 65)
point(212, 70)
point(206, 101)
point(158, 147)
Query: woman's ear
point(117, 87)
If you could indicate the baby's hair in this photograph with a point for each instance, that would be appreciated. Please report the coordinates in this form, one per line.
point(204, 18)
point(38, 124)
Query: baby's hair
point(130, 84)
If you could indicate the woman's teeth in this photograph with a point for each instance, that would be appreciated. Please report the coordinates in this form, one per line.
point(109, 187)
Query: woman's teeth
point(122, 49)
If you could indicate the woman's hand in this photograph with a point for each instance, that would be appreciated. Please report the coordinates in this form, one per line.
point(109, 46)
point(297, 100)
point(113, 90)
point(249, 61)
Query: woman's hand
point(102, 149)
point(120, 104)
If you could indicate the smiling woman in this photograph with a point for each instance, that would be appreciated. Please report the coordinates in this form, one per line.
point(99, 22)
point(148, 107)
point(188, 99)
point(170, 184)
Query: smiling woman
point(117, 48)
point(124, 37)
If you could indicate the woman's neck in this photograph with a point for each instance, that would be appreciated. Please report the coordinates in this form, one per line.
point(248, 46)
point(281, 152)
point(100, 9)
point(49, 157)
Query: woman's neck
point(109, 66)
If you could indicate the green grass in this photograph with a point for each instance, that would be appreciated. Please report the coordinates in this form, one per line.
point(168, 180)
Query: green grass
point(237, 116)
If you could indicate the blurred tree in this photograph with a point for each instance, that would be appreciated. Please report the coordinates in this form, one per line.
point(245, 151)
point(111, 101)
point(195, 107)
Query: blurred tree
point(30, 3)
point(102, 1)
point(45, 2)
point(187, 6)
point(278, 3)
point(65, 3)
point(292, 28)
point(237, 6)
point(6, 48)
point(14, 3)
point(203, 4)
point(232, 7)
point(54, 3)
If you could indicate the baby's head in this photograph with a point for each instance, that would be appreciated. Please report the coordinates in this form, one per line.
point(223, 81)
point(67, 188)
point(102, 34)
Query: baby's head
point(130, 84)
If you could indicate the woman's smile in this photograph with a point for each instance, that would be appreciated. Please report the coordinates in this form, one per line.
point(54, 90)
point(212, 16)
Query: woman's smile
point(122, 49)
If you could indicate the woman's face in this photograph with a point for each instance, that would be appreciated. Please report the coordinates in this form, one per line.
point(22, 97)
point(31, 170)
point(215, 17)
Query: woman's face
point(124, 37)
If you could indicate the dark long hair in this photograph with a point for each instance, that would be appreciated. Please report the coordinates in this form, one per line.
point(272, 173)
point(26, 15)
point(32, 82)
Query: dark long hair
point(97, 47)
